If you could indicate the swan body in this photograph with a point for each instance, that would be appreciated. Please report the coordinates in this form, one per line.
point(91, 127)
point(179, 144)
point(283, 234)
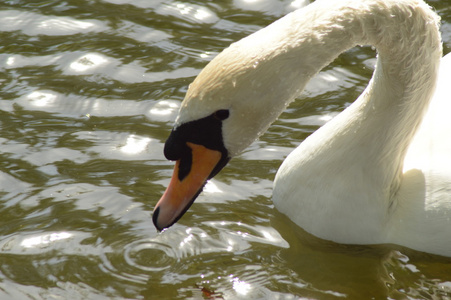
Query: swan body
point(379, 172)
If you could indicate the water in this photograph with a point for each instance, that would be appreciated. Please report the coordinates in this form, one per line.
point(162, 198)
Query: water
point(89, 91)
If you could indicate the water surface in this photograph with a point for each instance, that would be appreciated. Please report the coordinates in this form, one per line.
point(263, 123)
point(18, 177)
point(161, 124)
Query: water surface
point(89, 91)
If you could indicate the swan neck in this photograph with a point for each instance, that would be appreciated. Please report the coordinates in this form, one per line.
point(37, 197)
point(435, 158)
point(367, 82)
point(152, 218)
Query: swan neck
point(262, 73)
point(365, 144)
point(389, 111)
point(404, 33)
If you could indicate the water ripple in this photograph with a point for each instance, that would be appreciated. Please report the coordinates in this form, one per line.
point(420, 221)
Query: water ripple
point(40, 243)
point(191, 13)
point(149, 256)
point(89, 92)
point(35, 24)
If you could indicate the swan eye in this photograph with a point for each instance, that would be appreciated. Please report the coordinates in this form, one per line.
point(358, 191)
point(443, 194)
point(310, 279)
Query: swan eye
point(221, 114)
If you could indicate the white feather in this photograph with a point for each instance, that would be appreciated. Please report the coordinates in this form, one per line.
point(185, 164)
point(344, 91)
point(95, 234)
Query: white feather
point(369, 175)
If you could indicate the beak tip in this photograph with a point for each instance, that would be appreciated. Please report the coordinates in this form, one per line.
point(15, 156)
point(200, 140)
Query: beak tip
point(156, 212)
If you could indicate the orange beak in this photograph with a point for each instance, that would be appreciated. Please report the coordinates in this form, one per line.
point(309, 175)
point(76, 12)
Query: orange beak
point(180, 194)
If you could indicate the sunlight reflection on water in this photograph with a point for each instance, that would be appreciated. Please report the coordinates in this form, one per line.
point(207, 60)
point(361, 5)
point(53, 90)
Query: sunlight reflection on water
point(241, 287)
point(191, 12)
point(45, 239)
point(42, 98)
point(35, 24)
point(135, 144)
point(88, 62)
point(89, 92)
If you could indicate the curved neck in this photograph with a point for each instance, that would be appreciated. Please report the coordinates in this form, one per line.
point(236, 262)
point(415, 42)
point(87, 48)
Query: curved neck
point(271, 67)
point(382, 122)
point(405, 34)
point(362, 150)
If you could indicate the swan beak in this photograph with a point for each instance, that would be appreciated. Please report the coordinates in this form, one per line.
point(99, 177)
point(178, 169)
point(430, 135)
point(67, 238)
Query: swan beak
point(181, 193)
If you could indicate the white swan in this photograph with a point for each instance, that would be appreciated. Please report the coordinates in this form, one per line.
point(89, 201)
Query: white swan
point(369, 175)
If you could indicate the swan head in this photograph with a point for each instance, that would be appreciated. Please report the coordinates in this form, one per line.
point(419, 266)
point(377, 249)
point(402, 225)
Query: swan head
point(231, 102)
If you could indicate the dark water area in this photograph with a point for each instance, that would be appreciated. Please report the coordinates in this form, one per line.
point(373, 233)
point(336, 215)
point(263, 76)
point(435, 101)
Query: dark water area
point(89, 91)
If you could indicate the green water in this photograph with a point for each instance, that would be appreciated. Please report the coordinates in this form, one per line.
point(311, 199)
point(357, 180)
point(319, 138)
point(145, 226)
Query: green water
point(89, 91)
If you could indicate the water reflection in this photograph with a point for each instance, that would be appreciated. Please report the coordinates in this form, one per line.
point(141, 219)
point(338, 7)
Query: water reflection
point(135, 144)
point(275, 8)
point(40, 243)
point(149, 256)
point(242, 288)
point(45, 240)
point(89, 92)
point(14, 61)
point(36, 24)
point(42, 98)
point(190, 12)
point(88, 62)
